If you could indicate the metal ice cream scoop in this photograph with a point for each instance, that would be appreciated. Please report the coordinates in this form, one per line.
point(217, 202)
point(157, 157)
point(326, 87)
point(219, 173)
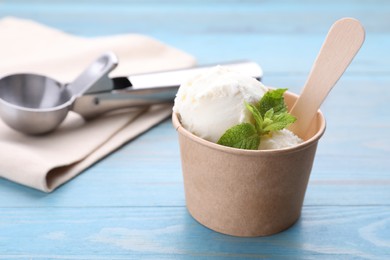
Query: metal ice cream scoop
point(36, 104)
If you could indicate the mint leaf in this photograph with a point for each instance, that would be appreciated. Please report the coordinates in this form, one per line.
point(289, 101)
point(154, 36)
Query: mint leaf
point(278, 122)
point(269, 114)
point(256, 115)
point(243, 136)
point(272, 99)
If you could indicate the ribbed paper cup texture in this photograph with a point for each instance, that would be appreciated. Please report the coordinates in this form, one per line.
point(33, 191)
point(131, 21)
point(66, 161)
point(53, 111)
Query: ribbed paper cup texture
point(246, 192)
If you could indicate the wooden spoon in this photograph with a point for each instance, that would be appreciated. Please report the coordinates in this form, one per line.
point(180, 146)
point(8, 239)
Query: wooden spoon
point(343, 41)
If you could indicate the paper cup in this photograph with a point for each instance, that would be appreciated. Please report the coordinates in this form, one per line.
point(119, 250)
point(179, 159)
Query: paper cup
point(246, 192)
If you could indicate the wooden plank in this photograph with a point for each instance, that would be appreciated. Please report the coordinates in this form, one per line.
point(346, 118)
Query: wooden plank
point(168, 232)
point(281, 55)
point(201, 16)
point(245, 29)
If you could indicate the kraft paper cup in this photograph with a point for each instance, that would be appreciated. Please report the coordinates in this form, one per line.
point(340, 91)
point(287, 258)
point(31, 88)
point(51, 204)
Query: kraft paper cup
point(246, 192)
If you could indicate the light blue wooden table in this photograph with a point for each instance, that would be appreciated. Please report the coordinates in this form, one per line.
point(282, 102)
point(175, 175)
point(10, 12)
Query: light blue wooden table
point(131, 204)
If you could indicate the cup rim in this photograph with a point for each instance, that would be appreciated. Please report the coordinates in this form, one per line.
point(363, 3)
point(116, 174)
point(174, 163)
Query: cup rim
point(312, 140)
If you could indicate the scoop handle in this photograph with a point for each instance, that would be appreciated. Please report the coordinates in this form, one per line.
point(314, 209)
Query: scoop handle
point(97, 71)
point(343, 41)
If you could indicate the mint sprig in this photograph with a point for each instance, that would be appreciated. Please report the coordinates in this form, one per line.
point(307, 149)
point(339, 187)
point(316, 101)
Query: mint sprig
point(269, 114)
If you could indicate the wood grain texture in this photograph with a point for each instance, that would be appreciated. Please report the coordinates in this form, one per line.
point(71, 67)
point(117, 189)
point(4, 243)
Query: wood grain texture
point(169, 232)
point(131, 204)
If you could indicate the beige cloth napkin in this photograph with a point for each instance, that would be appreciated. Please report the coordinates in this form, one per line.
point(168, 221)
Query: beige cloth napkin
point(46, 162)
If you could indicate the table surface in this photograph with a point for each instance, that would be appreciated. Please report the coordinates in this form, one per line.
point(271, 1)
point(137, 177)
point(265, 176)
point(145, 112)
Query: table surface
point(131, 204)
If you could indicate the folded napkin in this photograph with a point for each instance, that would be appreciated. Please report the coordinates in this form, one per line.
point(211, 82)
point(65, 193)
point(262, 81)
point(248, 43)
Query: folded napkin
point(45, 162)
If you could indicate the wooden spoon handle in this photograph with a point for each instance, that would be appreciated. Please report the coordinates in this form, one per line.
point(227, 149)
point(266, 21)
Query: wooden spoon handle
point(343, 41)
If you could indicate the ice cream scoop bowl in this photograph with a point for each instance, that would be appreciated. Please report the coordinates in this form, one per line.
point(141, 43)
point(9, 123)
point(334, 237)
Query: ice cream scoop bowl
point(246, 192)
point(34, 111)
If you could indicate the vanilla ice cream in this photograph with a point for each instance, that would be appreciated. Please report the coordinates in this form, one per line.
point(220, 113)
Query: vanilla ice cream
point(279, 139)
point(214, 101)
